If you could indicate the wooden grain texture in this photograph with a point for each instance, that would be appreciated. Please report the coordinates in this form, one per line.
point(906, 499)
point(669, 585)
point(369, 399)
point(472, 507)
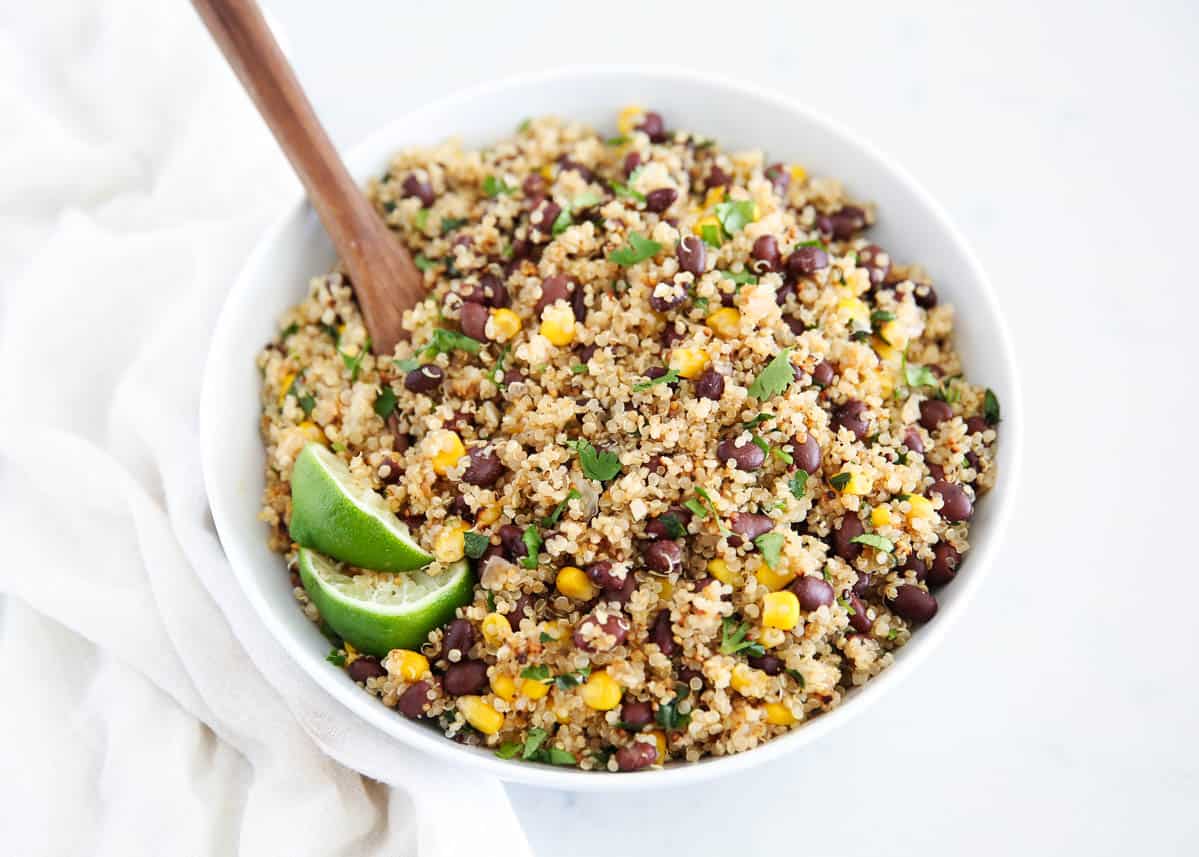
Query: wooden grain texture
point(385, 280)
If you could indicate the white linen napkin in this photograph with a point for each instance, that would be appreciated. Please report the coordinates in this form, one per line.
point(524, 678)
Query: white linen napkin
point(147, 711)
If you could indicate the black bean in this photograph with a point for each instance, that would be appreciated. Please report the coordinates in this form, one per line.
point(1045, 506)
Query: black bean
point(936, 470)
point(709, 385)
point(484, 468)
point(533, 185)
point(945, 564)
point(602, 576)
point(822, 373)
point(976, 425)
point(933, 412)
point(862, 583)
point(843, 534)
point(812, 592)
point(495, 293)
point(973, 460)
point(512, 538)
point(424, 379)
point(514, 376)
point(631, 162)
point(660, 199)
point(859, 619)
point(841, 225)
point(717, 177)
point(465, 678)
point(474, 321)
point(877, 261)
point(670, 334)
point(578, 303)
point(413, 185)
point(391, 471)
point(459, 636)
point(637, 713)
point(638, 755)
point(749, 456)
point(913, 603)
point(661, 633)
point(916, 564)
point(956, 505)
point(911, 439)
point(750, 525)
point(779, 177)
point(925, 295)
point(766, 255)
point(692, 255)
point(672, 298)
point(654, 127)
point(554, 289)
point(806, 454)
point(364, 667)
point(664, 556)
point(769, 664)
point(567, 164)
point(460, 508)
point(546, 214)
point(522, 608)
point(655, 372)
point(806, 260)
point(613, 624)
point(414, 700)
point(849, 416)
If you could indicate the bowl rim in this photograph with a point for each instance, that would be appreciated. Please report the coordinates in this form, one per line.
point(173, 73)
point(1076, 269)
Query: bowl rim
point(421, 738)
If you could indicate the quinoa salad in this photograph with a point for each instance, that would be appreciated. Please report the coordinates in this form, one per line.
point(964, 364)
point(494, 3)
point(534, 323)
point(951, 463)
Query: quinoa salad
point(707, 451)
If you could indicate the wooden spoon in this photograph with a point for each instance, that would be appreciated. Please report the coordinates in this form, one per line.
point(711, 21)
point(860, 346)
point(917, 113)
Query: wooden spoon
point(385, 280)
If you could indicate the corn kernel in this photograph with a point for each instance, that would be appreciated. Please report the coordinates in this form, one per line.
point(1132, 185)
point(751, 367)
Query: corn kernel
point(886, 381)
point(725, 322)
point(504, 686)
point(660, 743)
point(703, 222)
point(880, 516)
point(479, 714)
point(627, 119)
point(547, 172)
point(558, 323)
point(920, 507)
point(446, 449)
point(450, 543)
point(312, 431)
point(285, 387)
point(774, 579)
point(744, 678)
point(533, 689)
point(495, 628)
point(853, 309)
point(780, 610)
point(798, 173)
point(665, 588)
point(412, 666)
point(856, 484)
point(562, 714)
point(503, 324)
point(892, 333)
point(351, 653)
point(886, 352)
point(779, 714)
point(488, 515)
point(574, 583)
point(719, 569)
point(689, 362)
point(715, 196)
point(601, 692)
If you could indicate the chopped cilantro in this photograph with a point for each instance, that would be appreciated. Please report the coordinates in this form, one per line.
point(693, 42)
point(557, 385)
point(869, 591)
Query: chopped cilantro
point(422, 219)
point(289, 330)
point(669, 377)
point(449, 224)
point(696, 508)
point(711, 234)
point(618, 140)
point(423, 262)
point(586, 200)
point(476, 544)
point(918, 376)
point(771, 547)
point(493, 187)
point(540, 672)
point(532, 539)
point(893, 633)
point(949, 393)
point(798, 676)
point(674, 527)
point(735, 214)
point(554, 516)
point(637, 250)
point(840, 480)
point(566, 681)
point(444, 341)
point(598, 465)
point(546, 638)
point(732, 639)
point(669, 718)
point(524, 125)
point(497, 371)
point(798, 483)
point(623, 190)
point(407, 364)
point(740, 277)
point(775, 378)
point(332, 332)
point(757, 420)
point(354, 363)
point(560, 757)
point(578, 369)
point(491, 602)
point(307, 403)
point(533, 741)
point(990, 407)
point(508, 749)
point(874, 540)
point(336, 658)
point(881, 316)
point(819, 244)
point(782, 455)
point(385, 402)
point(761, 444)
point(562, 222)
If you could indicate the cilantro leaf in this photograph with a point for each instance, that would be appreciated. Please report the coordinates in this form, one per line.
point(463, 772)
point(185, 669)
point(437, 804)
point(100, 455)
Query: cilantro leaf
point(874, 540)
point(840, 480)
point(554, 516)
point(523, 126)
point(449, 224)
point(354, 363)
point(990, 407)
point(385, 402)
point(546, 638)
point(539, 673)
point(735, 214)
point(562, 222)
point(669, 377)
point(732, 639)
point(771, 547)
point(757, 420)
point(674, 527)
point(445, 340)
point(560, 757)
point(782, 455)
point(291, 329)
point(508, 749)
point(669, 718)
point(578, 369)
point(476, 544)
point(532, 539)
point(798, 484)
point(566, 681)
point(421, 220)
point(637, 250)
point(696, 508)
point(618, 140)
point(307, 403)
point(917, 376)
point(598, 465)
point(423, 262)
point(881, 316)
point(493, 187)
point(623, 190)
point(533, 740)
point(740, 277)
point(775, 378)
point(336, 658)
point(798, 676)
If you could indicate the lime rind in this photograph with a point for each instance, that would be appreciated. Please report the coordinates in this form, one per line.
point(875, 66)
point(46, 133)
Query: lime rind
point(336, 515)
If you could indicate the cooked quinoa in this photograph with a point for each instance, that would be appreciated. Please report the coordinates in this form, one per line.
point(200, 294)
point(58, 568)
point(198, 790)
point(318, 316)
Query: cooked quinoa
point(709, 448)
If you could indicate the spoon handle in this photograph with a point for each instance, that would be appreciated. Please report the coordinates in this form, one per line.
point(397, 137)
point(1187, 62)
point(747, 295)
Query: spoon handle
point(385, 280)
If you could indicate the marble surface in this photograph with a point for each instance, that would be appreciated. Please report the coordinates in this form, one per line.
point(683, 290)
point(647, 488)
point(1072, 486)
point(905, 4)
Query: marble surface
point(1061, 714)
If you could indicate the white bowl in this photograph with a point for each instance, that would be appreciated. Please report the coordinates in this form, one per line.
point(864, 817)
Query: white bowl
point(911, 225)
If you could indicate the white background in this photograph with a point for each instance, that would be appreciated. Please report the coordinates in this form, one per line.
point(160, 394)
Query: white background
point(1061, 714)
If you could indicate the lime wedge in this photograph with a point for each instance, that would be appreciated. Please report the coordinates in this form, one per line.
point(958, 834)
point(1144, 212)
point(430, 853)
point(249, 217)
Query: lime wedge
point(332, 513)
point(380, 612)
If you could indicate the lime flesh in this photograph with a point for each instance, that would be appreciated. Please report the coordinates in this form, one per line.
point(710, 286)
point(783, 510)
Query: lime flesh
point(334, 514)
point(380, 612)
